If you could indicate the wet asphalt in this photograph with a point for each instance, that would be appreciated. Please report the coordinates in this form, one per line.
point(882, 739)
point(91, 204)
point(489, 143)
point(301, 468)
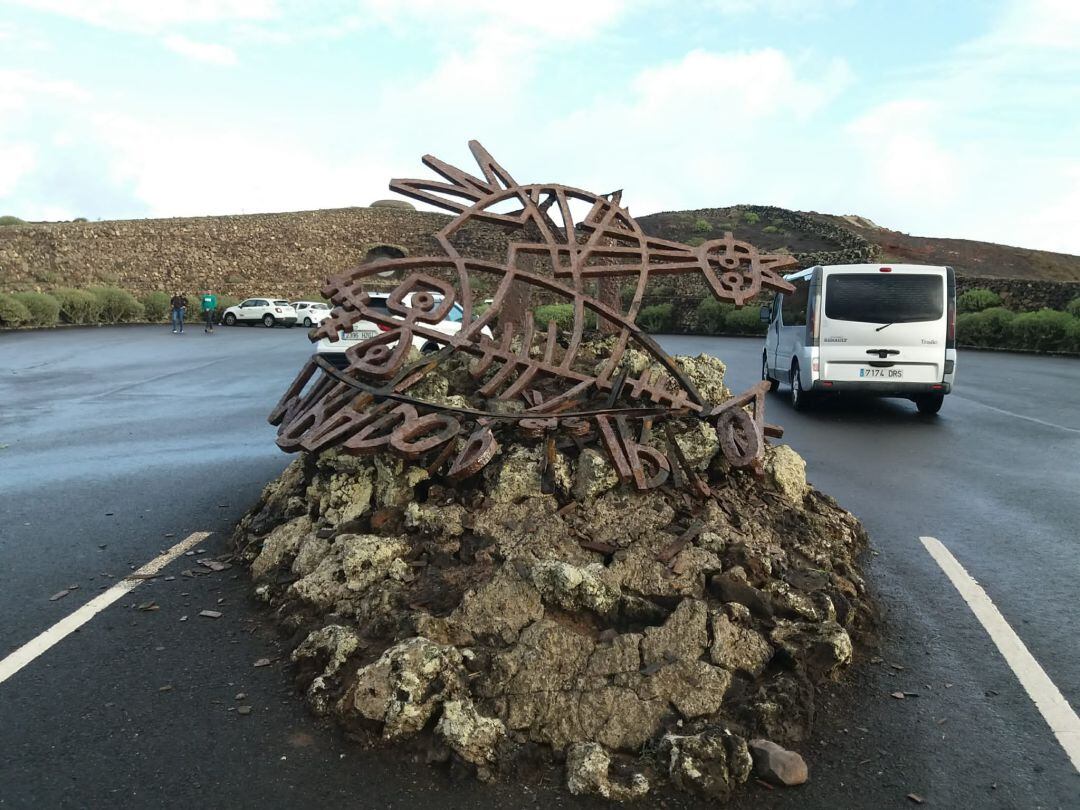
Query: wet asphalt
point(116, 443)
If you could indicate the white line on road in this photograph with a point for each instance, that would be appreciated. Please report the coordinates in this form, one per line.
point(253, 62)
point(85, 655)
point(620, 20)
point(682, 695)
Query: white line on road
point(1042, 422)
point(69, 624)
point(1048, 699)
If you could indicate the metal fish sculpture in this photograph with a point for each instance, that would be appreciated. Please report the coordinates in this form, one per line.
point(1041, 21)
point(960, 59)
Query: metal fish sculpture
point(566, 399)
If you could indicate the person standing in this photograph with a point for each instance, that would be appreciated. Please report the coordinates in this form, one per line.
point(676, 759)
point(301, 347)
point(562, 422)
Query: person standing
point(178, 304)
point(209, 304)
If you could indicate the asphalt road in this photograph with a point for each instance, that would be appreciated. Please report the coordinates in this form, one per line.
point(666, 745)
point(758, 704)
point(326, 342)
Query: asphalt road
point(116, 443)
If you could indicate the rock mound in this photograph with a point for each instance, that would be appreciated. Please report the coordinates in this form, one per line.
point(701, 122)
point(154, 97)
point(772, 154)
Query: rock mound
point(637, 636)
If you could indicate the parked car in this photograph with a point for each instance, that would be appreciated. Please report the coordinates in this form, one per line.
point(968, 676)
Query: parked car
point(334, 351)
point(268, 311)
point(311, 313)
point(887, 330)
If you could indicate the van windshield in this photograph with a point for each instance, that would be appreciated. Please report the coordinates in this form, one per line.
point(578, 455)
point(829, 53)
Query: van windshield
point(880, 298)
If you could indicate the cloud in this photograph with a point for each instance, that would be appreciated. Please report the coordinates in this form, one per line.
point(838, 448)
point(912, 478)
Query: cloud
point(778, 8)
point(152, 16)
point(20, 159)
point(201, 51)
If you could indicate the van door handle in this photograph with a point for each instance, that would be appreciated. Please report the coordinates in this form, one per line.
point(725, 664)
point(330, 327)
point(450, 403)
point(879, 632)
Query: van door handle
point(883, 353)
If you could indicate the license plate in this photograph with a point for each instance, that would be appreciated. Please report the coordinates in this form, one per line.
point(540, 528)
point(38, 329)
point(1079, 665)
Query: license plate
point(365, 335)
point(881, 373)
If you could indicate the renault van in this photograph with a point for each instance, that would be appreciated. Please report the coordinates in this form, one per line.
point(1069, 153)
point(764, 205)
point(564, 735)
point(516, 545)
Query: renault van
point(886, 330)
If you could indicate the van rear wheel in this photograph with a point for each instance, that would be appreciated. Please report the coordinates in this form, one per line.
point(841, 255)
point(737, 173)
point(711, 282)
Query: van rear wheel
point(772, 381)
point(929, 404)
point(799, 398)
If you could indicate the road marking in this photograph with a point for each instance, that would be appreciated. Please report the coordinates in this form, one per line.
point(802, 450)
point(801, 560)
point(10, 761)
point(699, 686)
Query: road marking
point(69, 624)
point(1042, 422)
point(1057, 712)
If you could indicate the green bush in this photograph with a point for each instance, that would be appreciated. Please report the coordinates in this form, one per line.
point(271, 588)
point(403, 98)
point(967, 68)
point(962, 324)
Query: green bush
point(1073, 337)
point(656, 318)
point(1073, 307)
point(43, 308)
point(156, 307)
point(117, 306)
point(977, 300)
point(563, 315)
point(12, 311)
point(770, 229)
point(745, 321)
point(1048, 330)
point(987, 329)
point(77, 306)
point(710, 315)
point(750, 217)
point(7, 219)
point(694, 241)
point(701, 225)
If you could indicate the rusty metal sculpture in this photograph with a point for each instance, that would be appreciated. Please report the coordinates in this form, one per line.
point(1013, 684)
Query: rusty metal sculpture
point(565, 400)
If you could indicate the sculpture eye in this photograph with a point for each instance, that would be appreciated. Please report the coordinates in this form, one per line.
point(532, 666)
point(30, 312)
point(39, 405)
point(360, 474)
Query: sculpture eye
point(421, 297)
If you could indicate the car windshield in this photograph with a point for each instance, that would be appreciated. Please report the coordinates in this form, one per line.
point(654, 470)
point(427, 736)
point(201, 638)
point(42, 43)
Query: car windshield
point(880, 298)
point(319, 306)
point(455, 314)
point(377, 303)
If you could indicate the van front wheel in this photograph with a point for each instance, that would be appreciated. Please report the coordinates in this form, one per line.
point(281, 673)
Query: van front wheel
point(799, 398)
point(929, 404)
point(772, 381)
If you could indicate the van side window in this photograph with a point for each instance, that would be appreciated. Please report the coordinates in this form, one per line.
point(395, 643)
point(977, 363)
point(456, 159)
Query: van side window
point(793, 305)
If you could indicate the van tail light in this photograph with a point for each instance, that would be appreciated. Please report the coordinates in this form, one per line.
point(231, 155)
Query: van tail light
point(814, 365)
point(383, 327)
point(885, 269)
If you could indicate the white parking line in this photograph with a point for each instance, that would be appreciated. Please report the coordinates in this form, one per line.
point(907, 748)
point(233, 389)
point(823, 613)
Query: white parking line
point(1048, 699)
point(69, 624)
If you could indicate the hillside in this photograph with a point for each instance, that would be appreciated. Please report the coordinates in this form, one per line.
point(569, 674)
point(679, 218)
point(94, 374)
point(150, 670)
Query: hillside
point(826, 238)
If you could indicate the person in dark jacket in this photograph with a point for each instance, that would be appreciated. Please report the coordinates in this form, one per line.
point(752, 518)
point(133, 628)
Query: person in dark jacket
point(178, 304)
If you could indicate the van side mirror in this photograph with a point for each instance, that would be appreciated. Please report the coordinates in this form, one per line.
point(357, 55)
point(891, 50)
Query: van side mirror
point(765, 314)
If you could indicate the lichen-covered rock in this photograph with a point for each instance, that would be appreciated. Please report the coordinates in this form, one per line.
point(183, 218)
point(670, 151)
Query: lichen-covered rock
point(519, 475)
point(447, 521)
point(710, 764)
point(406, 685)
point(367, 559)
point(786, 469)
point(395, 481)
point(685, 635)
point(471, 735)
point(280, 545)
point(593, 475)
point(500, 608)
point(738, 648)
point(707, 374)
point(821, 648)
point(587, 774)
point(572, 588)
point(331, 647)
point(311, 553)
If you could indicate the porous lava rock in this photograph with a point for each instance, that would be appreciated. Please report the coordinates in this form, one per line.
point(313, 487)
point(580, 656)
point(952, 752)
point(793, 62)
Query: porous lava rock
point(514, 617)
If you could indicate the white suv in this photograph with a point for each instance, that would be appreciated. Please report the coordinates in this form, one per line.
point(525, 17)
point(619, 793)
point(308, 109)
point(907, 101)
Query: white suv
point(311, 313)
point(334, 351)
point(267, 311)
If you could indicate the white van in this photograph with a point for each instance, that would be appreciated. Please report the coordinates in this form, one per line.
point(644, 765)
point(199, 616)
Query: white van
point(888, 330)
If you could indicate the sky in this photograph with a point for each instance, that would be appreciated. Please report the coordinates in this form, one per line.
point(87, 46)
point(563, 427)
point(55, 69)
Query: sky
point(953, 119)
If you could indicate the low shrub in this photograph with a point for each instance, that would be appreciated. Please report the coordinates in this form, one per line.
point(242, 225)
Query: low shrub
point(7, 219)
point(701, 225)
point(710, 315)
point(750, 217)
point(745, 321)
point(43, 308)
point(117, 306)
point(1072, 341)
point(695, 241)
point(987, 329)
point(563, 315)
point(770, 229)
point(656, 318)
point(1047, 330)
point(12, 311)
point(977, 300)
point(1073, 307)
point(77, 306)
point(156, 306)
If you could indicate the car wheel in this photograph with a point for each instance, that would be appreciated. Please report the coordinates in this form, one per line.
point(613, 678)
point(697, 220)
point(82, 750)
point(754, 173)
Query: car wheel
point(429, 348)
point(268, 321)
point(799, 397)
point(307, 322)
point(230, 319)
point(929, 404)
point(772, 381)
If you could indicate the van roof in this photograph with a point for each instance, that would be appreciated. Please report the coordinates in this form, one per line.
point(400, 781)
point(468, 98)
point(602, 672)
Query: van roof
point(868, 268)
